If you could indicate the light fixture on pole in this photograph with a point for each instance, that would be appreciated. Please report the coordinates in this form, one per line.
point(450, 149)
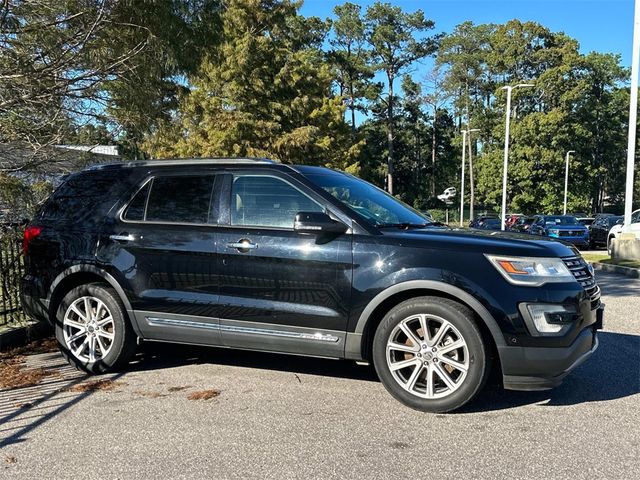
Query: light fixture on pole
point(464, 144)
point(508, 88)
point(566, 180)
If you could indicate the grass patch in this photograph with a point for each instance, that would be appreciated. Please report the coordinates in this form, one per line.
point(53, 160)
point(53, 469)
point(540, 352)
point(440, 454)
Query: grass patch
point(604, 258)
point(622, 263)
point(595, 257)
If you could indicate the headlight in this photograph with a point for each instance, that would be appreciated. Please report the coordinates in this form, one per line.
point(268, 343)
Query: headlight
point(531, 271)
point(554, 231)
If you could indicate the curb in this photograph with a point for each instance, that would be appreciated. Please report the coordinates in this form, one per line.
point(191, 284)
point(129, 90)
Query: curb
point(19, 336)
point(628, 271)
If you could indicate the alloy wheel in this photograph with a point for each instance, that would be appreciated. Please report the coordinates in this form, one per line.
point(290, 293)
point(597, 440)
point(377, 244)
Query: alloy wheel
point(427, 356)
point(89, 329)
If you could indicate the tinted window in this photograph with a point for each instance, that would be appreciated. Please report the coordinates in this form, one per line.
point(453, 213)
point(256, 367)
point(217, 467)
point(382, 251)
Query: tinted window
point(135, 210)
point(635, 217)
point(561, 220)
point(181, 199)
point(264, 201)
point(86, 196)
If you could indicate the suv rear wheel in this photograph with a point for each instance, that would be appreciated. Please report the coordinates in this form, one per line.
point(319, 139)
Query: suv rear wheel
point(92, 329)
point(430, 355)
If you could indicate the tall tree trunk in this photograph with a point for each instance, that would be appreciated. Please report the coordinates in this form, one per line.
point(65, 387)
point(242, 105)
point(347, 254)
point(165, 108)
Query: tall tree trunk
point(433, 154)
point(472, 194)
point(390, 135)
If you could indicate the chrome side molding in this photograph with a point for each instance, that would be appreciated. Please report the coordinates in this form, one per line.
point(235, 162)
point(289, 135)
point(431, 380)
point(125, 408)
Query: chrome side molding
point(314, 337)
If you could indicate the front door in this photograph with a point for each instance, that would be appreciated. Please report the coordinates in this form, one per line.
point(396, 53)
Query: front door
point(280, 290)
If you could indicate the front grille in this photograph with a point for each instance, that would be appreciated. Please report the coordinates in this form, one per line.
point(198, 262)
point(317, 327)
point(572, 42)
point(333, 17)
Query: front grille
point(582, 272)
point(571, 233)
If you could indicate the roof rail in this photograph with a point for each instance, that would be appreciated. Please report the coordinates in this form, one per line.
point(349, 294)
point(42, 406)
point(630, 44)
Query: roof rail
point(186, 161)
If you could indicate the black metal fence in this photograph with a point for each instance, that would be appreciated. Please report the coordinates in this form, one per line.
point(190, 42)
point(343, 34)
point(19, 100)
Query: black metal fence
point(11, 270)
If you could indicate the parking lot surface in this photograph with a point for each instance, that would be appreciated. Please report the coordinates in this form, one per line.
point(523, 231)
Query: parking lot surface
point(276, 416)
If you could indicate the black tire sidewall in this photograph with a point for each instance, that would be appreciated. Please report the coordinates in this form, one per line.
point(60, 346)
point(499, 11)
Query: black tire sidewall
point(462, 319)
point(119, 351)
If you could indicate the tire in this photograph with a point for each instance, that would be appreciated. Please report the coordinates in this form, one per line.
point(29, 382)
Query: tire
point(108, 342)
point(610, 245)
point(393, 347)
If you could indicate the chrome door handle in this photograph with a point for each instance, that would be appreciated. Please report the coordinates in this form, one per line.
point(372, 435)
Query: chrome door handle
point(243, 245)
point(122, 238)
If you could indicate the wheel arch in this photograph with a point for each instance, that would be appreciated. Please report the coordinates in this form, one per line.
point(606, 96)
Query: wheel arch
point(80, 275)
point(359, 342)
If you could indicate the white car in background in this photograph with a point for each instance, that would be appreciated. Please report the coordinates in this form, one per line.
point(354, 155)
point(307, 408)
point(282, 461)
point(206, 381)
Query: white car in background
point(616, 230)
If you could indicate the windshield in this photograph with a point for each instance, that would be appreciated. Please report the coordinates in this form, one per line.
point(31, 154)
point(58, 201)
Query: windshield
point(374, 204)
point(561, 220)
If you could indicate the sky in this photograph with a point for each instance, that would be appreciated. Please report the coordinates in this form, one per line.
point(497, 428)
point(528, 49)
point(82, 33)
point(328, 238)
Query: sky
point(604, 26)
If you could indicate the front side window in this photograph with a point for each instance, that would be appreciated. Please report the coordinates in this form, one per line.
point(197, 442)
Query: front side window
point(635, 218)
point(264, 201)
point(177, 199)
point(375, 205)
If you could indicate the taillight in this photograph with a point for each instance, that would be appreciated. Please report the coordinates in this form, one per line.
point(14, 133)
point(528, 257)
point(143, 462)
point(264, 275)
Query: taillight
point(30, 233)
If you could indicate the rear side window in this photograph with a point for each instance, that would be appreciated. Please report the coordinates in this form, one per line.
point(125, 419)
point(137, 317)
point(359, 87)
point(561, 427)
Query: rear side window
point(86, 196)
point(173, 199)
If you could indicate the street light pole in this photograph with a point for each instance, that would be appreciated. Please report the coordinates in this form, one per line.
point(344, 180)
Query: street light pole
point(464, 143)
point(508, 88)
point(633, 112)
point(566, 180)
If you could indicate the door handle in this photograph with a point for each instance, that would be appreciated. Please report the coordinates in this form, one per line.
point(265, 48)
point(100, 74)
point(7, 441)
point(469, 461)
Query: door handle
point(243, 245)
point(125, 237)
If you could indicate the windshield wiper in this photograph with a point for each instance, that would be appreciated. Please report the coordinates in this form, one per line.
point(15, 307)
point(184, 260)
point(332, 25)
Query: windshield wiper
point(403, 225)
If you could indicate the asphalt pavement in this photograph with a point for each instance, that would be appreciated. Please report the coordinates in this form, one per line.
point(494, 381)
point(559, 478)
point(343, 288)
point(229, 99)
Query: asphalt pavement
point(277, 416)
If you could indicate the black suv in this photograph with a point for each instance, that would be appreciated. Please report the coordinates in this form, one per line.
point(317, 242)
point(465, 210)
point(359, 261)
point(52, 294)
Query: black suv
point(253, 254)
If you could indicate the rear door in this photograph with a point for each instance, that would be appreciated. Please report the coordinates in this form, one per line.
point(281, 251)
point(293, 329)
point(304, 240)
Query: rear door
point(280, 290)
point(163, 248)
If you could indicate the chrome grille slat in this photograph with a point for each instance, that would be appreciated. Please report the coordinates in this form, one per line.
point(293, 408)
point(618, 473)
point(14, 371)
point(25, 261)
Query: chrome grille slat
point(580, 270)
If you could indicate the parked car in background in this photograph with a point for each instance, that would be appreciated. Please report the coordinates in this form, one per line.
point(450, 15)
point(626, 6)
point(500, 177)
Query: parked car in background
point(599, 230)
point(522, 225)
point(256, 255)
point(477, 223)
point(490, 224)
point(563, 227)
point(586, 221)
point(616, 230)
point(511, 219)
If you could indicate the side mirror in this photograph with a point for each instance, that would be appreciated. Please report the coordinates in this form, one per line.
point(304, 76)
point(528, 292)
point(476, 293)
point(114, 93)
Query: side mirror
point(317, 223)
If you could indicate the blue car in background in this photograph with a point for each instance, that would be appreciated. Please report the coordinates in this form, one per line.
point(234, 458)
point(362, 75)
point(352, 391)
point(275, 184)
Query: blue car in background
point(563, 227)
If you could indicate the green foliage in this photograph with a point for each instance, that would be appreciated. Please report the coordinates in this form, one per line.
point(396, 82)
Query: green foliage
point(265, 92)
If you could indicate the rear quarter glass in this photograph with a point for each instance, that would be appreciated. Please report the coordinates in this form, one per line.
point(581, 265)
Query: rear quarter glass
point(86, 197)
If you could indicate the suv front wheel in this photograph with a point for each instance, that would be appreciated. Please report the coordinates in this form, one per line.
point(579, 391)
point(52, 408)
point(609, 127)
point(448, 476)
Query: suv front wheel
point(92, 329)
point(430, 354)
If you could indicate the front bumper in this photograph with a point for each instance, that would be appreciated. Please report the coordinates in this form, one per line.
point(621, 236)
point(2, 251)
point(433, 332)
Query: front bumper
point(579, 241)
point(542, 368)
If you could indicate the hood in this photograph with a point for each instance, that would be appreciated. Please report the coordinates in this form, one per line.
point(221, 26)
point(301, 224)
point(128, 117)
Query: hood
point(482, 241)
